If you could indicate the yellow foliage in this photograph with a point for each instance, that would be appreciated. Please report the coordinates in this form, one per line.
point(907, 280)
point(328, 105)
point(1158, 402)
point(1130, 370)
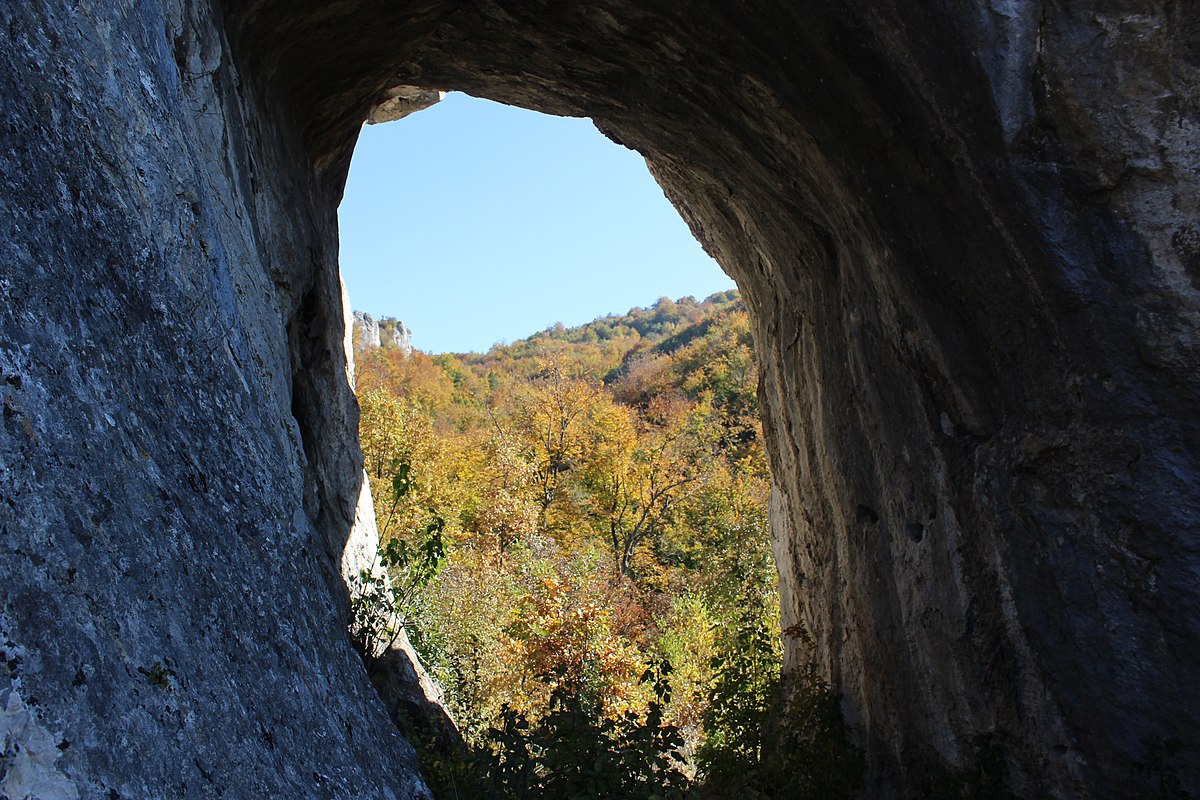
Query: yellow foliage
point(604, 491)
point(564, 637)
point(506, 508)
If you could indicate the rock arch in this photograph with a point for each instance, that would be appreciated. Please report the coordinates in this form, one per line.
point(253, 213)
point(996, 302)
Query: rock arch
point(967, 236)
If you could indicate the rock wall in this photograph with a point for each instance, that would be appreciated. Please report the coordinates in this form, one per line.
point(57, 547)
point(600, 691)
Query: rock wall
point(366, 330)
point(394, 333)
point(178, 470)
point(967, 235)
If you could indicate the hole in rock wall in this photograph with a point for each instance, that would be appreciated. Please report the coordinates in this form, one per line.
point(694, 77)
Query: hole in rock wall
point(574, 520)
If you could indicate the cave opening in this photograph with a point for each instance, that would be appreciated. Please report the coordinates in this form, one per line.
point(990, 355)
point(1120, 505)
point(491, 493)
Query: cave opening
point(965, 233)
point(574, 523)
point(808, 185)
point(945, 292)
point(477, 223)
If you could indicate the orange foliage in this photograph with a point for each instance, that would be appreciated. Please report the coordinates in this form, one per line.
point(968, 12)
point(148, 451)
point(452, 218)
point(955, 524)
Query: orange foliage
point(564, 637)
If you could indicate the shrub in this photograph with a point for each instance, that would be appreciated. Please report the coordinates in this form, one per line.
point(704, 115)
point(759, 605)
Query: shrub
point(383, 595)
point(773, 737)
point(577, 752)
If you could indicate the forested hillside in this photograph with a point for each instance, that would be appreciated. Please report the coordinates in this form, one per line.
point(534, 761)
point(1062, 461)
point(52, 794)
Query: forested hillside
point(576, 526)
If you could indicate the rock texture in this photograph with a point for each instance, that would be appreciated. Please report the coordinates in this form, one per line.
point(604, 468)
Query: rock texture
point(394, 333)
point(369, 332)
point(366, 331)
point(178, 472)
point(401, 101)
point(966, 232)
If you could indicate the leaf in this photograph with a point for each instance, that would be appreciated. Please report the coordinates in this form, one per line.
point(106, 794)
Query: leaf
point(402, 482)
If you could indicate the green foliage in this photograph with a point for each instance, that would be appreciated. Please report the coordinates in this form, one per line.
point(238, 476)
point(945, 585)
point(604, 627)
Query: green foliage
point(412, 567)
point(158, 675)
point(771, 736)
point(574, 752)
point(810, 751)
point(384, 594)
point(602, 346)
point(746, 681)
point(603, 494)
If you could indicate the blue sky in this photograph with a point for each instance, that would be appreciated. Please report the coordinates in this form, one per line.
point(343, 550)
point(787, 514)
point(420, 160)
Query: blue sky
point(475, 222)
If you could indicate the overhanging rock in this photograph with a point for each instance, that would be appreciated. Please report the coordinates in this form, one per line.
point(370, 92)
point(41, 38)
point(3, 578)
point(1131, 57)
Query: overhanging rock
point(967, 236)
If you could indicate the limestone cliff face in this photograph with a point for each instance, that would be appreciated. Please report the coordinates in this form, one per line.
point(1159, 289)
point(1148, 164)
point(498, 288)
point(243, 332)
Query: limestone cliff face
point(390, 332)
point(178, 470)
point(966, 232)
point(366, 331)
point(394, 333)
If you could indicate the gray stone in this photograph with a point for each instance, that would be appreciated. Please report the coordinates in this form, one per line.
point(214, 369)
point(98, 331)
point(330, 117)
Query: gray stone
point(967, 235)
point(173, 500)
point(401, 101)
point(28, 752)
point(366, 331)
point(394, 333)
point(414, 701)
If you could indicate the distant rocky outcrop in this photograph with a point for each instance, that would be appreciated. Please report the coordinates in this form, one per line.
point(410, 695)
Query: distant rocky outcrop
point(366, 331)
point(387, 332)
point(394, 333)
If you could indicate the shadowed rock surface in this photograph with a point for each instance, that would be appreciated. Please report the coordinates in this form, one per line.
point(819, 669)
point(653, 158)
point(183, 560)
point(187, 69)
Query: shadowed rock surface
point(177, 452)
point(966, 231)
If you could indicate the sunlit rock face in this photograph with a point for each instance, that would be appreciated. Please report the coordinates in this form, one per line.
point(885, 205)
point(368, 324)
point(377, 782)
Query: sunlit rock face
point(367, 333)
point(966, 232)
point(365, 330)
point(400, 101)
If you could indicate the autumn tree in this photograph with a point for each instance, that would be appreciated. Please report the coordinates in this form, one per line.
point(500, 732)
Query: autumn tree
point(506, 507)
point(604, 491)
point(416, 377)
point(641, 472)
point(398, 434)
point(552, 418)
point(565, 637)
